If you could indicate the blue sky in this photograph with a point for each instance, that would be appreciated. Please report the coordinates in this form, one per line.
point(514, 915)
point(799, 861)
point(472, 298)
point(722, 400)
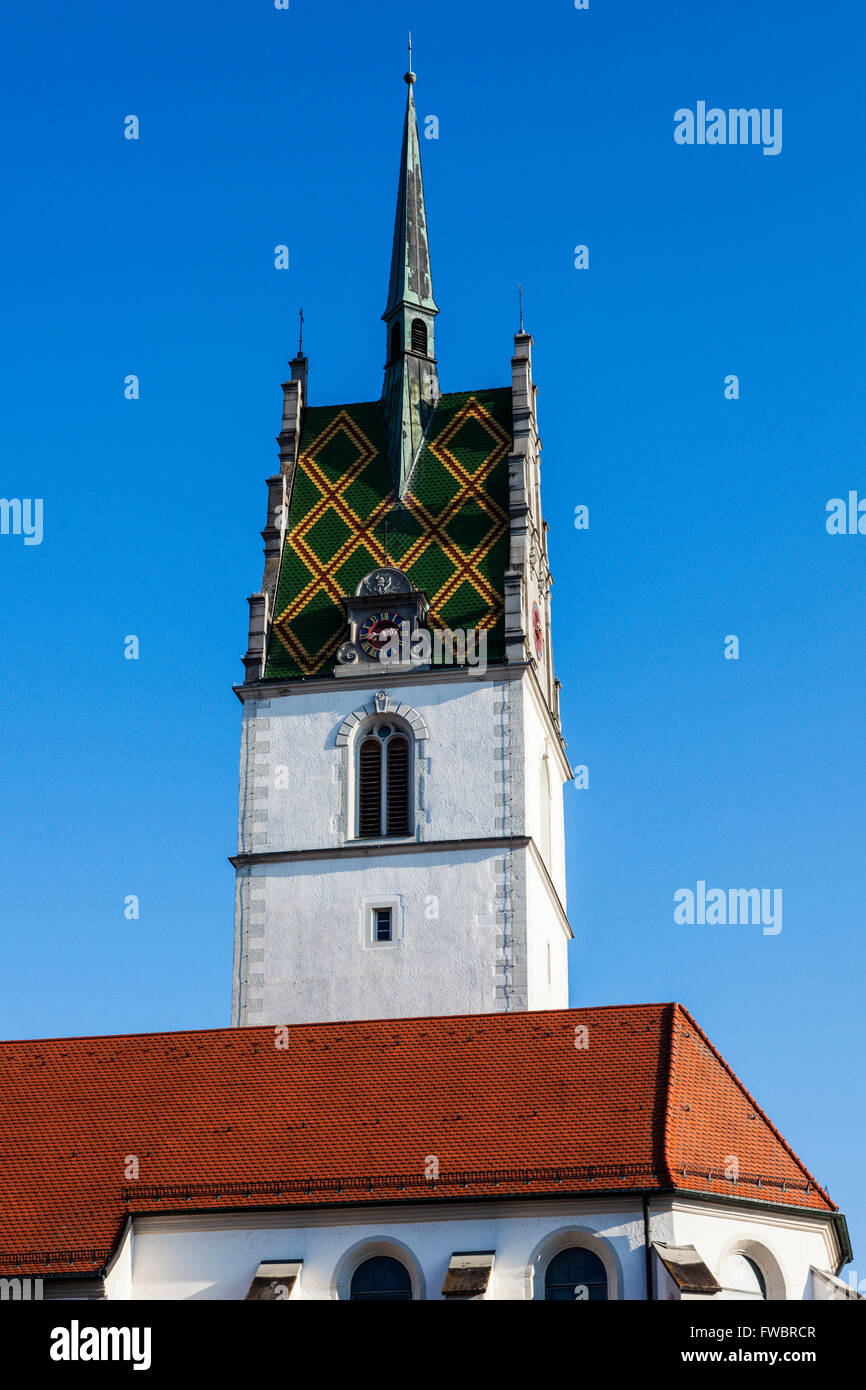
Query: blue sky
point(707, 516)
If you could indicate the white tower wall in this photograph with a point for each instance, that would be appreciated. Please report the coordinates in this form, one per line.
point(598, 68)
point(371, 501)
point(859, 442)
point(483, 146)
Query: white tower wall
point(476, 891)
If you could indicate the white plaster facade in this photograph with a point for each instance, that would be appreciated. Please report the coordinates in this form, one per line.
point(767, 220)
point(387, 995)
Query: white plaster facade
point(478, 887)
point(118, 1283)
point(215, 1256)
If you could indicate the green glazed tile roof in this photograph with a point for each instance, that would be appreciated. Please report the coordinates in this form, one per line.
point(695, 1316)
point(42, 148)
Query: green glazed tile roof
point(449, 534)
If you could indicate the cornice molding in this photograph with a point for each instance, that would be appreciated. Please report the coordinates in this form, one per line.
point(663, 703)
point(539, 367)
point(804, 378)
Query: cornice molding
point(371, 849)
point(269, 690)
point(367, 849)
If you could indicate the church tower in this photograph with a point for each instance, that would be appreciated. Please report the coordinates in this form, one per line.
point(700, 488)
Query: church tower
point(400, 835)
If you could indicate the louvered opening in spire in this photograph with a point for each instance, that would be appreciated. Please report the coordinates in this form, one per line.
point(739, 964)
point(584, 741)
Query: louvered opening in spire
point(419, 337)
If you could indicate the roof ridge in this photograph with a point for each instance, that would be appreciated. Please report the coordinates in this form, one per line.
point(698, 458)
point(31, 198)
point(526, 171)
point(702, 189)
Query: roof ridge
point(233, 1030)
point(751, 1099)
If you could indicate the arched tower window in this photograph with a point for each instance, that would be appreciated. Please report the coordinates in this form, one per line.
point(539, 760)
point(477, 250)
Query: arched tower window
point(384, 782)
point(381, 1279)
point(419, 336)
point(576, 1275)
point(395, 341)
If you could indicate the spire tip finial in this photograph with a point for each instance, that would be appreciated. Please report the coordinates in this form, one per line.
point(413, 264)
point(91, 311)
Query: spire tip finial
point(520, 293)
point(409, 76)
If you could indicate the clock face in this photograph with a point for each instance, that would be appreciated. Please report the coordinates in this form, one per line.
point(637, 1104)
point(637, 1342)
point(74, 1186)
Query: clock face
point(537, 631)
point(377, 632)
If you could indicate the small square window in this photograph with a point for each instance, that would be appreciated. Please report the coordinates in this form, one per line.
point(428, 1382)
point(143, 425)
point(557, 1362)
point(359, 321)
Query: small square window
point(382, 924)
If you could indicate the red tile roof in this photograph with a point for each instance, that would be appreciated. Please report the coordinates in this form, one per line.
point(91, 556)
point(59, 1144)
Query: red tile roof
point(352, 1112)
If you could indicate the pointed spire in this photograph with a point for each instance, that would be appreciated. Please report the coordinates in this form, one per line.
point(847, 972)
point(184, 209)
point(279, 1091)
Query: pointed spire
point(411, 384)
point(411, 280)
